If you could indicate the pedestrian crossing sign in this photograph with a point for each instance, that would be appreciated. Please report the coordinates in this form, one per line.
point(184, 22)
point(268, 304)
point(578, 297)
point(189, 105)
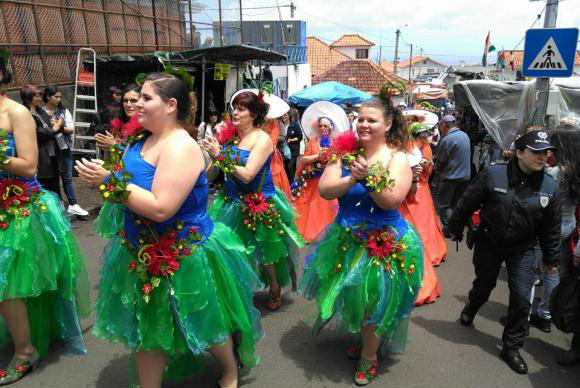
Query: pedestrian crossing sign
point(550, 52)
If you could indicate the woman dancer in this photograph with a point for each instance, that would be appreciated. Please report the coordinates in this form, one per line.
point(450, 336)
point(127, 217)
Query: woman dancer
point(418, 209)
point(173, 284)
point(314, 212)
point(250, 203)
point(125, 124)
point(367, 269)
point(43, 281)
point(272, 128)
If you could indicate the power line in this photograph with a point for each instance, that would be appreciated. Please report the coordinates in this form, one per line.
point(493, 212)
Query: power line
point(338, 24)
point(532, 26)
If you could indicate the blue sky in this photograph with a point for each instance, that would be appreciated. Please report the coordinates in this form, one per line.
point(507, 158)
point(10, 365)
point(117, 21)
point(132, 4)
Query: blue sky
point(447, 30)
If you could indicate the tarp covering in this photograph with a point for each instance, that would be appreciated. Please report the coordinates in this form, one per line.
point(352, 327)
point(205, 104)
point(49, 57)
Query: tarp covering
point(230, 54)
point(329, 91)
point(506, 108)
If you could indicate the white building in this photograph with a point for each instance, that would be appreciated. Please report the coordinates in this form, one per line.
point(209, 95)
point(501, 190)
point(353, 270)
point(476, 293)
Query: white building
point(420, 67)
point(353, 46)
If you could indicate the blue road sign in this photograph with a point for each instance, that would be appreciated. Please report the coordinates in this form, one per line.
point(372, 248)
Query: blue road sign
point(550, 52)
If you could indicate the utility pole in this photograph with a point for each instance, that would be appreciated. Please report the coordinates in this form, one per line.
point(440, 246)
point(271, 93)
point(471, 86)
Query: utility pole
point(380, 43)
point(292, 9)
point(396, 60)
point(543, 84)
point(421, 62)
point(410, 62)
point(221, 24)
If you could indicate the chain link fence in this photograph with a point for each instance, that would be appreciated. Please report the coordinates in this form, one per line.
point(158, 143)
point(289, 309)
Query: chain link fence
point(43, 36)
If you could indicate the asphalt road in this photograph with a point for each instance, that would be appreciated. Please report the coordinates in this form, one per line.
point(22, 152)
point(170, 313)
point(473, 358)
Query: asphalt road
point(441, 352)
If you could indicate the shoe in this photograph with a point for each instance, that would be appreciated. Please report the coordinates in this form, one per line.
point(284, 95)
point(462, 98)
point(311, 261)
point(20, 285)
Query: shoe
point(77, 210)
point(570, 358)
point(365, 372)
point(543, 324)
point(514, 359)
point(274, 301)
point(467, 315)
point(18, 368)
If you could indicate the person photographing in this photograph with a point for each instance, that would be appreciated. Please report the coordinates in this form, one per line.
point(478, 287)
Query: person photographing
point(520, 205)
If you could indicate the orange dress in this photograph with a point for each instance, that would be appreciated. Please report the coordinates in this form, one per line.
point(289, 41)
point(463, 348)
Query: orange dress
point(314, 212)
point(272, 128)
point(418, 209)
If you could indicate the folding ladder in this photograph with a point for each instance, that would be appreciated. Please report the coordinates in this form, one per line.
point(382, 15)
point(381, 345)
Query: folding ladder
point(85, 104)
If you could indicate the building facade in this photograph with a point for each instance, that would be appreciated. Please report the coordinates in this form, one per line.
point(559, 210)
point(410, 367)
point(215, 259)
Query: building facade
point(44, 36)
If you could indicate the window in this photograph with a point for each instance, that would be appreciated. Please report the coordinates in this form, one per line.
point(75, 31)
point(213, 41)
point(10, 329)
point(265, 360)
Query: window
point(362, 53)
point(266, 34)
point(291, 34)
point(425, 62)
point(430, 70)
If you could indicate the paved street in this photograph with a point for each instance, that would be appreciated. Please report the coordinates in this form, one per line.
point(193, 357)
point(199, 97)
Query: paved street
point(441, 353)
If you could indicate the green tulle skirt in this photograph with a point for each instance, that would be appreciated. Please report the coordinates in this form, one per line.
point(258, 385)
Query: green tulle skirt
point(352, 286)
point(265, 245)
point(208, 299)
point(42, 264)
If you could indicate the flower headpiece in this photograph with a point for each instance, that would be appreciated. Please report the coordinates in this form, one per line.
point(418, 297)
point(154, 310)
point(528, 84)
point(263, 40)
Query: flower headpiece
point(391, 88)
point(263, 88)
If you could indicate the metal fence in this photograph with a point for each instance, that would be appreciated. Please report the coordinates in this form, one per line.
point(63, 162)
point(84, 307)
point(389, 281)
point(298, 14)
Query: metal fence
point(44, 35)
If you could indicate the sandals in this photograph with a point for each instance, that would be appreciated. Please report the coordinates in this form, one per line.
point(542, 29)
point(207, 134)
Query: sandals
point(18, 368)
point(274, 301)
point(365, 372)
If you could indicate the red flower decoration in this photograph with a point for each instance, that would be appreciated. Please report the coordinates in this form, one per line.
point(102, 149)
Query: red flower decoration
point(381, 245)
point(133, 266)
point(21, 368)
point(147, 288)
point(192, 230)
point(15, 193)
point(117, 167)
point(256, 203)
point(344, 143)
point(227, 134)
point(2, 373)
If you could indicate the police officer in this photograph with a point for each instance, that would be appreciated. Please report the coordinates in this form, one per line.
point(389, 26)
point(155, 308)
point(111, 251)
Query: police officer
point(520, 206)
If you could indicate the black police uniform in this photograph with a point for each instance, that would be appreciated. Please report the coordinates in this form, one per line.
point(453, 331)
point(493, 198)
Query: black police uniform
point(517, 210)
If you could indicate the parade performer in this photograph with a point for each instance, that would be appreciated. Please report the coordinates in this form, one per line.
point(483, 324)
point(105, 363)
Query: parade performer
point(272, 128)
point(173, 284)
point(125, 125)
point(367, 269)
point(43, 281)
point(321, 121)
point(249, 202)
point(418, 209)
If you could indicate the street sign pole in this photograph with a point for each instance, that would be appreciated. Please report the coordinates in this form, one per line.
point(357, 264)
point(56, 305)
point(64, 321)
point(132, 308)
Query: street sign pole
point(543, 84)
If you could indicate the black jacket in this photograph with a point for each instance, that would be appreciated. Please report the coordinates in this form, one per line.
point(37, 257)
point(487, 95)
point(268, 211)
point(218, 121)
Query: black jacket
point(293, 131)
point(48, 166)
point(516, 209)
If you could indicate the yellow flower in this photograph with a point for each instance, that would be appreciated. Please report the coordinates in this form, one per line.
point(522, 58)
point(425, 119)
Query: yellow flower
point(106, 194)
point(102, 187)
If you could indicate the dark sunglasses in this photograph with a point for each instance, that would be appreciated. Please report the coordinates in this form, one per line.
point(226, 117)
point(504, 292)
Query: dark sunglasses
point(132, 101)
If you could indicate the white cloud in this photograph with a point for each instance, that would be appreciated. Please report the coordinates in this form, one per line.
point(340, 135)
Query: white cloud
point(449, 28)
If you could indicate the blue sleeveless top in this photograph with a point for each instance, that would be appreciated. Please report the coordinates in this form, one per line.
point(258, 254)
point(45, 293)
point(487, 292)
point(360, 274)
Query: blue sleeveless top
point(357, 206)
point(235, 187)
point(11, 151)
point(193, 211)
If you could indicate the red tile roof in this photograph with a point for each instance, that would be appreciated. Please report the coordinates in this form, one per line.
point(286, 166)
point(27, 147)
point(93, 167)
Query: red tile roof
point(352, 40)
point(416, 60)
point(519, 57)
point(387, 66)
point(360, 74)
point(321, 56)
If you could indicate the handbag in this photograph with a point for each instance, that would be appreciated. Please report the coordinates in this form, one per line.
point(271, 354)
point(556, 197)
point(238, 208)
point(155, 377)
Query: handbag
point(565, 303)
point(286, 152)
